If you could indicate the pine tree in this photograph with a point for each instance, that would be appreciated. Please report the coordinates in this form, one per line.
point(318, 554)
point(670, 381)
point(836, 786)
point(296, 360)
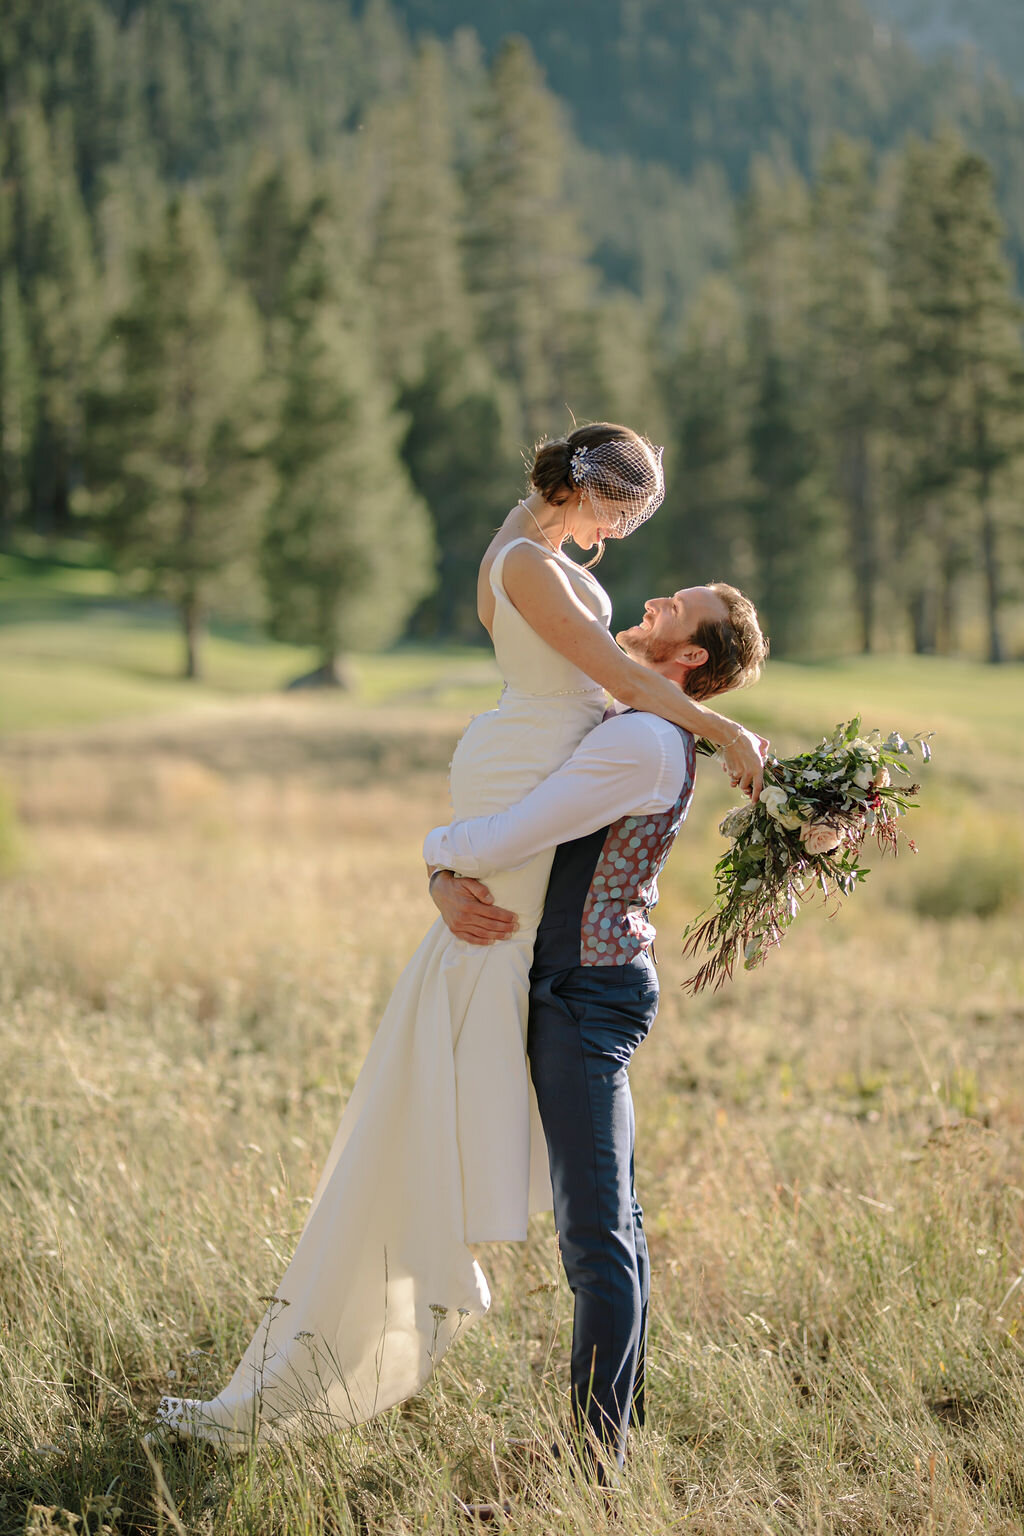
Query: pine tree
point(847, 317)
point(610, 359)
point(17, 405)
point(704, 530)
point(177, 480)
point(49, 243)
point(923, 364)
point(459, 450)
point(347, 550)
point(989, 321)
point(956, 352)
point(279, 200)
point(384, 50)
point(790, 517)
point(524, 252)
point(131, 206)
point(414, 270)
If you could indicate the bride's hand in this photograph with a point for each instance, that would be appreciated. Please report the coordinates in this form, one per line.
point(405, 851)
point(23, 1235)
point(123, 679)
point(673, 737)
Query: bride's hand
point(744, 761)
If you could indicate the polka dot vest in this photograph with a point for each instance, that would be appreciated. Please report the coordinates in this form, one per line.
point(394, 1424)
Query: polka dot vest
point(624, 887)
point(603, 886)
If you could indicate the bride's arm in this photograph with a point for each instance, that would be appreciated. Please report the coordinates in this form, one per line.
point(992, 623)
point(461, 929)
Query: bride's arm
point(541, 592)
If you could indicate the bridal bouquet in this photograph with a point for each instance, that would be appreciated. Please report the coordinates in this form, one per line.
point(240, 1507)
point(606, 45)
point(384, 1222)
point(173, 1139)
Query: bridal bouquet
point(803, 836)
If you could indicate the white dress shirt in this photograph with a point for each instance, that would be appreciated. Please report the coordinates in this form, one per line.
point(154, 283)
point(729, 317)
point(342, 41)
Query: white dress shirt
point(630, 765)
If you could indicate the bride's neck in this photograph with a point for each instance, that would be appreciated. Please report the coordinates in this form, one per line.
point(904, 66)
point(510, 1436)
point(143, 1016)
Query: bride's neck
point(540, 516)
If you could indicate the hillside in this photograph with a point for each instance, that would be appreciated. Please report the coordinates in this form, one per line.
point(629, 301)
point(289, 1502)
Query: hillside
point(991, 27)
point(688, 84)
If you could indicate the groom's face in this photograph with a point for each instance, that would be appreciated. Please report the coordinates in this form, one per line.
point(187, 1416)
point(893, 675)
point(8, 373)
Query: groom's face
point(669, 623)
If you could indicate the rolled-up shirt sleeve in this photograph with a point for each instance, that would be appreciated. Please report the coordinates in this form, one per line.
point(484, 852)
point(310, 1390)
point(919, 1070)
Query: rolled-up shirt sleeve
point(631, 764)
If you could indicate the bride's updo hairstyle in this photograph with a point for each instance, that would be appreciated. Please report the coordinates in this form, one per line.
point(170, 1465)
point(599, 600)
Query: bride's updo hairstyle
point(618, 471)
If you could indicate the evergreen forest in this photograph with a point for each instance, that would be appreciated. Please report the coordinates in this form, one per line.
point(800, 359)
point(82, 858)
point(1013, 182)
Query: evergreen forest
point(287, 292)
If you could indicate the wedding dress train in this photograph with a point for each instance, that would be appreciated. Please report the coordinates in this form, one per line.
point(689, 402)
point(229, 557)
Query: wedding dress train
point(440, 1144)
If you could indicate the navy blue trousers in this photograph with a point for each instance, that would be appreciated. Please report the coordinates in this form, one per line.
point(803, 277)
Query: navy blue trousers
point(584, 1025)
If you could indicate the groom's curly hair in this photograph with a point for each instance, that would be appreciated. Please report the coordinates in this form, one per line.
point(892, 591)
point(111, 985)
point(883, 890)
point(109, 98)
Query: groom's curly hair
point(736, 648)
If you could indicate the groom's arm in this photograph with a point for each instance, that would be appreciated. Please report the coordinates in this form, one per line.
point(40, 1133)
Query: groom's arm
point(629, 765)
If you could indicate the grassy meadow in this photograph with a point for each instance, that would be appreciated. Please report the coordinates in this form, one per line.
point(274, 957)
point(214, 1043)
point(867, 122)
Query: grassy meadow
point(206, 897)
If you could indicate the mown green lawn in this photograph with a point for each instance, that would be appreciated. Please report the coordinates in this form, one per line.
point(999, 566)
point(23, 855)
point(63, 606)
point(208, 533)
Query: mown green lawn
point(73, 653)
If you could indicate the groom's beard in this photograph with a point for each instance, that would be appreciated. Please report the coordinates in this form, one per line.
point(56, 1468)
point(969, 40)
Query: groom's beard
point(642, 645)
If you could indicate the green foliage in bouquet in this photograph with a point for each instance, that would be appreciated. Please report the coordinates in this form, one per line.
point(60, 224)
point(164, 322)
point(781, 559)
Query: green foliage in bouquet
point(803, 836)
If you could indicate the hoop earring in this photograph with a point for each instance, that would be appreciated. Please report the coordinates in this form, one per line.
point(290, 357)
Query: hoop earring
point(595, 558)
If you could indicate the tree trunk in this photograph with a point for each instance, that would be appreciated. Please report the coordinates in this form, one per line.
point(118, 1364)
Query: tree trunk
point(333, 672)
point(922, 620)
point(192, 632)
point(990, 564)
point(922, 557)
point(856, 477)
point(447, 587)
point(42, 490)
point(948, 628)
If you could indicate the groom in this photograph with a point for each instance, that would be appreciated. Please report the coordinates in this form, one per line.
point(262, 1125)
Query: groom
point(614, 810)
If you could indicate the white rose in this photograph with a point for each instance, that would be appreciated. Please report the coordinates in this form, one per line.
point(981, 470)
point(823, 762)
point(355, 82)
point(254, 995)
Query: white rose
point(862, 778)
point(819, 837)
point(774, 798)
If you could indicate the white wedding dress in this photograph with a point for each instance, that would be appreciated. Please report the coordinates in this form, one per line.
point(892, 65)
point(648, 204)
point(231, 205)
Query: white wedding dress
point(440, 1144)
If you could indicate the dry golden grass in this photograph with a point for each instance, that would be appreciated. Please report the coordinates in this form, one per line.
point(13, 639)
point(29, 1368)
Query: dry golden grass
point(207, 916)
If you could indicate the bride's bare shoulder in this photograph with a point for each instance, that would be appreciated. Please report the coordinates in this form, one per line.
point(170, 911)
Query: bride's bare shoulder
point(507, 534)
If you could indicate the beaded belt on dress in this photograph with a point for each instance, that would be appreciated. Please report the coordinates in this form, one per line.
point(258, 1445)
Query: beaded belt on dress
point(552, 693)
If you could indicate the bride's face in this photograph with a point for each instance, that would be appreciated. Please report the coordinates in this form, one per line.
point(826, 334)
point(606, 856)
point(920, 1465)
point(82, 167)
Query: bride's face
point(613, 520)
point(578, 519)
point(588, 523)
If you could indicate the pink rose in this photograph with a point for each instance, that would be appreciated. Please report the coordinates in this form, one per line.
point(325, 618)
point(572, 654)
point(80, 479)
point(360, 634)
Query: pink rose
point(819, 837)
point(881, 779)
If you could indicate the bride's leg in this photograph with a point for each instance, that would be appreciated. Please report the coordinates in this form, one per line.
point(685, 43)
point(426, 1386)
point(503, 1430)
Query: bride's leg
point(495, 1118)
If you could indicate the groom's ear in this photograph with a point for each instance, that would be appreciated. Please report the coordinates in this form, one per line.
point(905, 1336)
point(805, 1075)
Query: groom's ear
point(692, 656)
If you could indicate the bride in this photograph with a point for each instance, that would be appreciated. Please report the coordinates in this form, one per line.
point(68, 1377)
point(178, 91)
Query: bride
point(440, 1144)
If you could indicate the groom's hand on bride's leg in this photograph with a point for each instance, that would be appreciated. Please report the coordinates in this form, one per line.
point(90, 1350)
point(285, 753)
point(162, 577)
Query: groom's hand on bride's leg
point(468, 909)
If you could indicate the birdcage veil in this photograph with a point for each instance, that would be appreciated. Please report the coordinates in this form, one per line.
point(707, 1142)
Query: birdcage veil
point(622, 479)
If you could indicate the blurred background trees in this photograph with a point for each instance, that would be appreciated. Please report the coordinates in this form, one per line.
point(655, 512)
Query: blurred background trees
point(286, 296)
point(173, 457)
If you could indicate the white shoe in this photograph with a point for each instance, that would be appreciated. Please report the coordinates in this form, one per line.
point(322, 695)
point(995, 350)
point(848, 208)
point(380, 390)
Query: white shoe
point(186, 1418)
point(175, 1419)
